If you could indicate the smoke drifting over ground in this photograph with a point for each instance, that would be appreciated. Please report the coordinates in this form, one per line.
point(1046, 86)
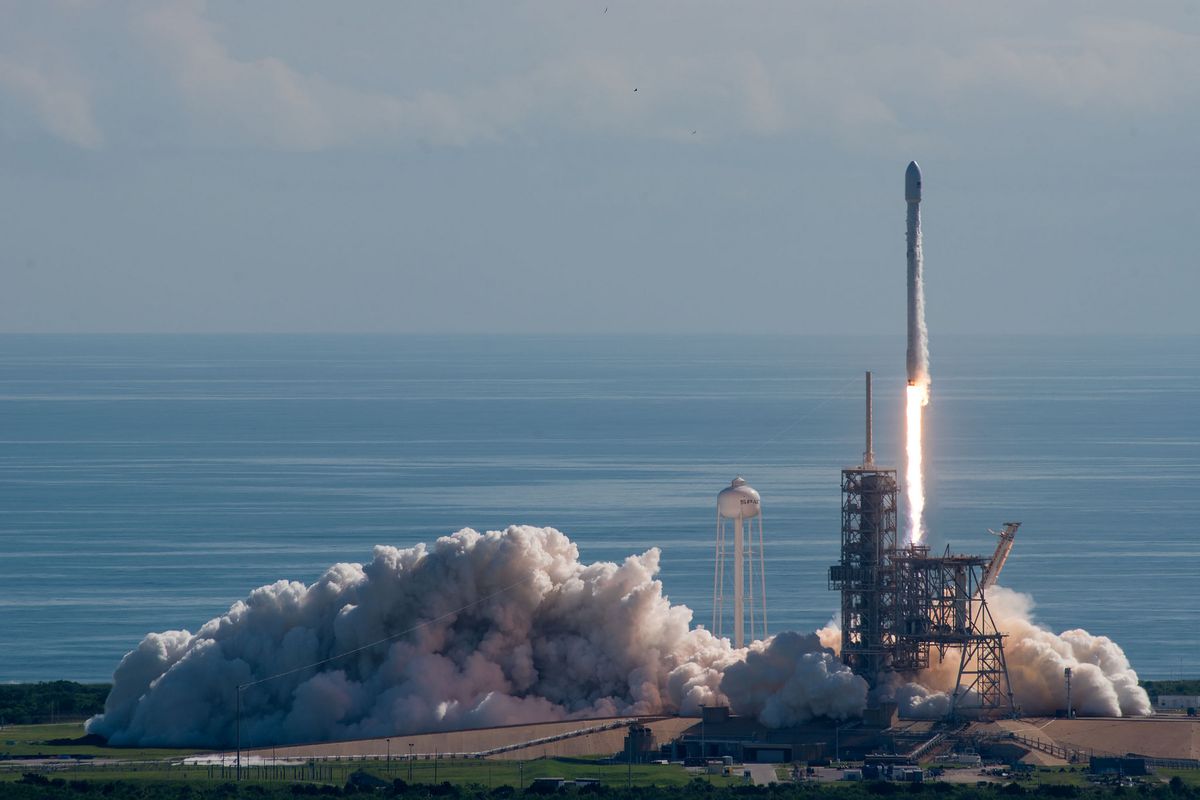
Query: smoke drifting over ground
point(791, 680)
point(1102, 682)
point(512, 628)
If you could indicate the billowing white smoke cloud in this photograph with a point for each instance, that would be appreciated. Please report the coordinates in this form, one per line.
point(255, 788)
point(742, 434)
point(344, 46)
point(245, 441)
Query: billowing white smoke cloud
point(791, 679)
point(1102, 681)
point(509, 627)
point(517, 630)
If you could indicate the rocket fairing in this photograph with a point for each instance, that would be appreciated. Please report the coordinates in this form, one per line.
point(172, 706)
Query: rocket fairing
point(918, 368)
point(912, 183)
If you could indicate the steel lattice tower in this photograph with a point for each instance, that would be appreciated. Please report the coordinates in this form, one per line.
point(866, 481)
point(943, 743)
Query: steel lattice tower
point(899, 603)
point(866, 576)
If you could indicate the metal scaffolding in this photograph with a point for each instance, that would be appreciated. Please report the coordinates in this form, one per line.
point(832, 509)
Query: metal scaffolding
point(943, 608)
point(899, 604)
point(866, 575)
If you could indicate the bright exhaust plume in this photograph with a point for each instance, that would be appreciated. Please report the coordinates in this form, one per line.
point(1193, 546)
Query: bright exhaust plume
point(916, 398)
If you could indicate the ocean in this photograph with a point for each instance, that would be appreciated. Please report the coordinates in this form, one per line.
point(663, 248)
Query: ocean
point(147, 482)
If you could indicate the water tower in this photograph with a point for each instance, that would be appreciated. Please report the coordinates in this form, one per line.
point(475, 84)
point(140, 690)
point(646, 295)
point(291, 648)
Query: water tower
point(739, 507)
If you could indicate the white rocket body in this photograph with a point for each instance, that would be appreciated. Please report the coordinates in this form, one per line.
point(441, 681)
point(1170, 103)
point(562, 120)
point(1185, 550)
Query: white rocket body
point(918, 356)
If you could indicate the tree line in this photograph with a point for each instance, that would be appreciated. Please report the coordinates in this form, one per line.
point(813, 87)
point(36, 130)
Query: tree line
point(50, 701)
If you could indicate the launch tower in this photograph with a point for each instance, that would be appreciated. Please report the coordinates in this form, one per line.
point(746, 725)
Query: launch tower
point(901, 603)
point(866, 575)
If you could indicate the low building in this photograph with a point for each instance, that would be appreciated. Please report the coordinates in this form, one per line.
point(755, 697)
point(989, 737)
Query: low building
point(1177, 702)
point(639, 745)
point(1116, 765)
point(969, 759)
point(763, 753)
point(719, 734)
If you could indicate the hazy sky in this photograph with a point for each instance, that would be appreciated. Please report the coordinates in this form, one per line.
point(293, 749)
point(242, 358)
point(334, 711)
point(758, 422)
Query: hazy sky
point(446, 166)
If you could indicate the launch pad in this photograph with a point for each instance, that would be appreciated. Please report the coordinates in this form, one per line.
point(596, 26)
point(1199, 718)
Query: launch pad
point(899, 603)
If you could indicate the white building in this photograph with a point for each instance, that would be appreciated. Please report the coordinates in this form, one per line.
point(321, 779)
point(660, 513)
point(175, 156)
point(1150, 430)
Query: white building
point(1177, 702)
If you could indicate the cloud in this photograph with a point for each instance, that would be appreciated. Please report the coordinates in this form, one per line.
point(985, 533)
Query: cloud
point(720, 69)
point(1102, 64)
point(261, 98)
point(476, 630)
point(441, 76)
point(57, 97)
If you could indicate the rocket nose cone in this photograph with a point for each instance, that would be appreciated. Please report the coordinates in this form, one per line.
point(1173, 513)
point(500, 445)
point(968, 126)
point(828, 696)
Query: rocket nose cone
point(912, 183)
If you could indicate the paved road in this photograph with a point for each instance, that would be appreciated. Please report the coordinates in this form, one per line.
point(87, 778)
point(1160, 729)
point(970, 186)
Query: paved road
point(762, 774)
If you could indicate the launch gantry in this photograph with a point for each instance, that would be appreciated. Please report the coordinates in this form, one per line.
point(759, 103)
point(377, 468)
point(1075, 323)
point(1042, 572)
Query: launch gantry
point(901, 603)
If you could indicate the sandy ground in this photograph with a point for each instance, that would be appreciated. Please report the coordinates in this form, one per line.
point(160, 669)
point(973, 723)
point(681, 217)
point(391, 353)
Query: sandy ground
point(968, 776)
point(1040, 759)
point(604, 743)
point(1156, 737)
point(473, 741)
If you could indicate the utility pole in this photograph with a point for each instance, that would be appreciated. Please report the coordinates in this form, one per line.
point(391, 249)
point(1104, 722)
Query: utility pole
point(389, 756)
point(629, 759)
point(410, 760)
point(238, 734)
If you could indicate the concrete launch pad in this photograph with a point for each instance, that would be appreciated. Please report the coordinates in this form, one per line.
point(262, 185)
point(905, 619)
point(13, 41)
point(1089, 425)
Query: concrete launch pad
point(1045, 741)
point(546, 739)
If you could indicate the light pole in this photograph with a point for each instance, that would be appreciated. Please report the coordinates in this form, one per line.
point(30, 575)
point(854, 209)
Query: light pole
point(389, 756)
point(629, 758)
point(410, 760)
point(238, 733)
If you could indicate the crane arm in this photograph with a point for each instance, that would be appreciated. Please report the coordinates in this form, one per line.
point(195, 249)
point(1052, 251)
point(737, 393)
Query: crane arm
point(1007, 537)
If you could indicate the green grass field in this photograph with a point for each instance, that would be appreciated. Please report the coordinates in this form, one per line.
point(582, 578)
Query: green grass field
point(34, 740)
point(1054, 776)
point(153, 764)
point(466, 772)
point(162, 764)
